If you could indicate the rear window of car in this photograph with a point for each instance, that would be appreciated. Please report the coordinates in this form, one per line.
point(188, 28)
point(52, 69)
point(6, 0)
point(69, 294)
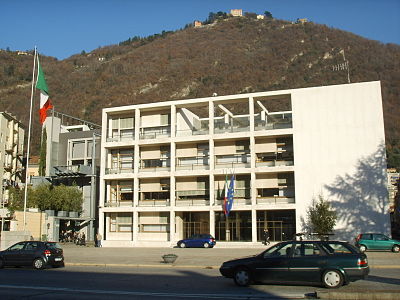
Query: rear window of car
point(337, 248)
point(52, 246)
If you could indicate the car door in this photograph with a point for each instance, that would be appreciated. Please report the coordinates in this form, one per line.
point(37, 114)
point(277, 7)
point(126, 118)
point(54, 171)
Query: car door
point(28, 254)
point(382, 242)
point(307, 261)
point(12, 256)
point(272, 266)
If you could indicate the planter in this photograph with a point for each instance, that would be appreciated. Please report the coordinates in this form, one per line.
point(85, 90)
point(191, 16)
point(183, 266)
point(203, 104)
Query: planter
point(49, 212)
point(73, 214)
point(62, 213)
point(169, 258)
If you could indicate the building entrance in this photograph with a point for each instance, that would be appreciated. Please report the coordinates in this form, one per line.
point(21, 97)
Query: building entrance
point(195, 223)
point(239, 225)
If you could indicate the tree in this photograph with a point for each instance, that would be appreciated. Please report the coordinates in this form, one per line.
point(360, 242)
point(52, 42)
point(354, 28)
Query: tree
point(43, 153)
point(321, 218)
point(268, 15)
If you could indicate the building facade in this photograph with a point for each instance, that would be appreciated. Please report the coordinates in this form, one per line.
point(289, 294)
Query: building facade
point(164, 165)
point(11, 161)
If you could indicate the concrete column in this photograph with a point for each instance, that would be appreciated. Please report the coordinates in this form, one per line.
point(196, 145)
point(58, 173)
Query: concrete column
point(135, 228)
point(253, 225)
point(212, 223)
point(172, 231)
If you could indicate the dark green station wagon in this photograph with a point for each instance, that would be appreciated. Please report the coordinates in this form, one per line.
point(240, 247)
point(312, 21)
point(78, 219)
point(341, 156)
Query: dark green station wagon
point(376, 241)
point(331, 263)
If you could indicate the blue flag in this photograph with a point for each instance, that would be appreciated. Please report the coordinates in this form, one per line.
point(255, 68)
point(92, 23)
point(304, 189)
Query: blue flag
point(231, 190)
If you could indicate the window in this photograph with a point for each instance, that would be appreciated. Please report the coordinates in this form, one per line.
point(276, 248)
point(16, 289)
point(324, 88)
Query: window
point(78, 149)
point(121, 222)
point(336, 248)
point(381, 237)
point(242, 146)
point(306, 249)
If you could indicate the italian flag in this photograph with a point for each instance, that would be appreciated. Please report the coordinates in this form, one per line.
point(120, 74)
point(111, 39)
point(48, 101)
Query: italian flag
point(45, 103)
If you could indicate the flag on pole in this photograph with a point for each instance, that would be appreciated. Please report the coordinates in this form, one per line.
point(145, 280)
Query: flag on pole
point(45, 102)
point(226, 195)
point(231, 190)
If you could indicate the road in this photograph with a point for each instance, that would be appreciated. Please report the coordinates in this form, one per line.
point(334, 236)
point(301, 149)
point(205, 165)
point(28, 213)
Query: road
point(99, 282)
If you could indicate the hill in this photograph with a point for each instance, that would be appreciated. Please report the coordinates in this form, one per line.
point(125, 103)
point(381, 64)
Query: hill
point(229, 56)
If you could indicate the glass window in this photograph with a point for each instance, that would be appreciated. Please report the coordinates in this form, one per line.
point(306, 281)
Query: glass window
point(78, 149)
point(121, 222)
point(336, 248)
point(381, 237)
point(279, 250)
point(17, 247)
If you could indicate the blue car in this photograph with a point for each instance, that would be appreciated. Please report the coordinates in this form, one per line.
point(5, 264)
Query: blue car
point(197, 240)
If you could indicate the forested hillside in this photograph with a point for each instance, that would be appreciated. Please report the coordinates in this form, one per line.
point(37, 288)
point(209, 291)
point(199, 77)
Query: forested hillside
point(229, 56)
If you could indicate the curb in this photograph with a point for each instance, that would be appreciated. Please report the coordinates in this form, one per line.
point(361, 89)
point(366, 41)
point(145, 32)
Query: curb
point(359, 295)
point(161, 265)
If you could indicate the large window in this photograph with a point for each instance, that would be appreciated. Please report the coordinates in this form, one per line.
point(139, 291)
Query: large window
point(121, 222)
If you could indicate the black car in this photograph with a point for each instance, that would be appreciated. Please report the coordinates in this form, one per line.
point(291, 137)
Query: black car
point(33, 253)
point(331, 263)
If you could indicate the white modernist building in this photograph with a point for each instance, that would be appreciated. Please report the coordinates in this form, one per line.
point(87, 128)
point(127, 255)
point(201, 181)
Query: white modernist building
point(164, 165)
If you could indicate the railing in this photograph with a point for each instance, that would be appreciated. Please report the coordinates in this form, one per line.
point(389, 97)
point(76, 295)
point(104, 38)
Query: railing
point(275, 200)
point(153, 165)
point(237, 124)
point(274, 120)
point(124, 136)
point(192, 198)
point(118, 170)
point(273, 163)
point(148, 201)
point(155, 132)
point(73, 170)
point(240, 196)
point(191, 132)
point(118, 203)
point(192, 163)
point(233, 160)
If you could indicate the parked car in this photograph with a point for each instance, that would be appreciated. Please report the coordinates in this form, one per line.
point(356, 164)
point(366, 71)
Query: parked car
point(331, 263)
point(376, 241)
point(198, 240)
point(33, 253)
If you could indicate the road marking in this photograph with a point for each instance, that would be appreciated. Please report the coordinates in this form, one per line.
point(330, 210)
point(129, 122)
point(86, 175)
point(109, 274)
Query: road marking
point(161, 294)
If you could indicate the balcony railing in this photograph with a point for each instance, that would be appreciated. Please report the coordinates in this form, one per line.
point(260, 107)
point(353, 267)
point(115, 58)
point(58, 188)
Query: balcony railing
point(153, 165)
point(192, 198)
point(73, 170)
point(118, 170)
point(193, 163)
point(232, 161)
point(155, 132)
point(155, 198)
point(240, 196)
point(122, 136)
point(116, 203)
point(237, 124)
point(273, 163)
point(275, 200)
point(274, 120)
point(191, 132)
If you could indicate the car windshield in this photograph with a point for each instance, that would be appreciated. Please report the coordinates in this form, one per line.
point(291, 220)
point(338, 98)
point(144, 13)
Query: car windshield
point(53, 246)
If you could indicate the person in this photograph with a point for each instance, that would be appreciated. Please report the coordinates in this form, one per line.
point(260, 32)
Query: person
point(266, 236)
point(98, 239)
point(83, 239)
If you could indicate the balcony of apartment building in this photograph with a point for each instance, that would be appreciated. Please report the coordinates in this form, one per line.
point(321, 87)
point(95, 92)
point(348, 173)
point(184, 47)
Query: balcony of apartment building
point(120, 161)
point(192, 191)
point(73, 170)
point(242, 190)
point(232, 154)
point(192, 157)
point(275, 188)
point(121, 128)
point(272, 113)
point(274, 152)
point(154, 192)
point(155, 124)
point(232, 116)
point(155, 159)
point(119, 193)
point(192, 121)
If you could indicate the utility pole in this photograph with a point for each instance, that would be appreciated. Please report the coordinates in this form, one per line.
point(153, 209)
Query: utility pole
point(343, 66)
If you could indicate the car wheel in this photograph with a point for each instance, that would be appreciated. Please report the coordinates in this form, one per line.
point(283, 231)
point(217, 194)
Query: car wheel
point(242, 277)
point(332, 279)
point(38, 264)
point(206, 245)
point(182, 245)
point(396, 248)
point(363, 248)
point(1, 264)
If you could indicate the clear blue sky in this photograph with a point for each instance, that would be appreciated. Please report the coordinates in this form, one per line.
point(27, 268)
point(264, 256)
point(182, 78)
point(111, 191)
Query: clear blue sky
point(61, 28)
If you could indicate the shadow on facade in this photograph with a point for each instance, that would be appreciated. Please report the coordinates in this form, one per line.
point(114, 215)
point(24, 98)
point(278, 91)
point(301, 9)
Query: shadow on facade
point(361, 198)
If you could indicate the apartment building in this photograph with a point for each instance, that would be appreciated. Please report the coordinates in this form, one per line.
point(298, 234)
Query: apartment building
point(11, 164)
point(164, 165)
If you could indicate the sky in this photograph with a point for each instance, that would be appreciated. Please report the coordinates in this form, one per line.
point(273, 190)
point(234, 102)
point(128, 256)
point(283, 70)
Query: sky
point(61, 28)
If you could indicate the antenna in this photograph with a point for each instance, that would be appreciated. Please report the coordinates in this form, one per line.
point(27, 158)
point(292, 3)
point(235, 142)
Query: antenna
point(343, 66)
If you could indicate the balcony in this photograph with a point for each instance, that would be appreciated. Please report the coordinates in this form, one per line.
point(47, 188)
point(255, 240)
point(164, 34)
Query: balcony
point(118, 203)
point(232, 161)
point(154, 198)
point(123, 135)
point(192, 132)
point(235, 124)
point(155, 165)
point(155, 132)
point(277, 195)
point(275, 200)
point(192, 198)
point(241, 196)
point(273, 160)
point(73, 170)
point(274, 120)
point(118, 170)
point(192, 163)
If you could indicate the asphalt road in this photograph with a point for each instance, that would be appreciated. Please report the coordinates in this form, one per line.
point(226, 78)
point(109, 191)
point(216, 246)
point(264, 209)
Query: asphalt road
point(95, 282)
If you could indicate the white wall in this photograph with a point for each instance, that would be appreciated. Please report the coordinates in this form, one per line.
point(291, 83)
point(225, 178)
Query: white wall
point(339, 153)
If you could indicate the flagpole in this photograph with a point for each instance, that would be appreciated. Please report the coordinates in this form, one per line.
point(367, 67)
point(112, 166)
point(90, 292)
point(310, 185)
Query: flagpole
point(29, 139)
